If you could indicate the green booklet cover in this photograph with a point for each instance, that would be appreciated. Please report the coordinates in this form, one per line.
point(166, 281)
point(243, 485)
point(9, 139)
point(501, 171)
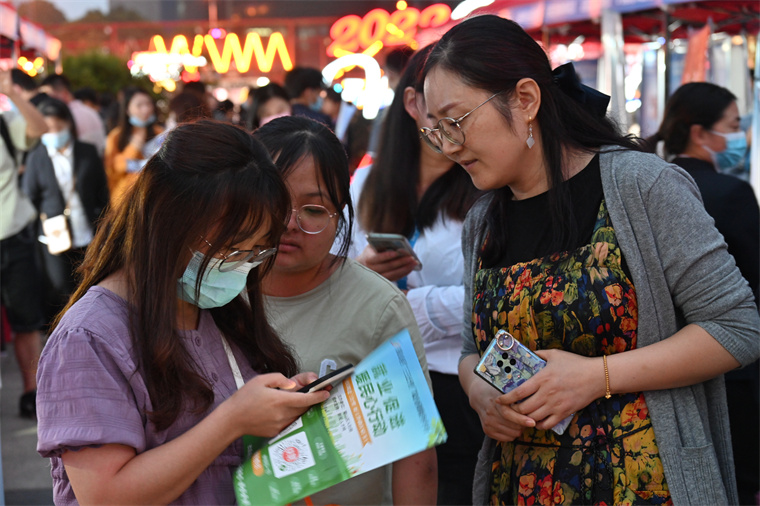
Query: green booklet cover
point(382, 413)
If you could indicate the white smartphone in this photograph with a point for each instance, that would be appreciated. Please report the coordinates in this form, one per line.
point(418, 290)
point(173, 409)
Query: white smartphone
point(328, 379)
point(396, 242)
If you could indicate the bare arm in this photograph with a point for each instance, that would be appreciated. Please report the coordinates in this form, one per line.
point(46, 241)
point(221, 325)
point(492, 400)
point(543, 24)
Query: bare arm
point(571, 382)
point(115, 474)
point(415, 479)
point(35, 122)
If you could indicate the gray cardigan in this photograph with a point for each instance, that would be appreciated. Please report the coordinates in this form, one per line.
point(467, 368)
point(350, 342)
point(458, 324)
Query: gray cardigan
point(683, 274)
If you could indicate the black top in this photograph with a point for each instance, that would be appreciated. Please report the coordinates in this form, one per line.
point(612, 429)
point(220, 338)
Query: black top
point(732, 204)
point(529, 223)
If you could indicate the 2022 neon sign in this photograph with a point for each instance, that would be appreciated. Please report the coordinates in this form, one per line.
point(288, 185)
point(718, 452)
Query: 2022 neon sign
point(352, 34)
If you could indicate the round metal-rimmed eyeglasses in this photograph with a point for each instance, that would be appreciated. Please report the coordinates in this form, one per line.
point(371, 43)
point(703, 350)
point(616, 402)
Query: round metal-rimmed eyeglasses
point(313, 218)
point(450, 129)
point(233, 260)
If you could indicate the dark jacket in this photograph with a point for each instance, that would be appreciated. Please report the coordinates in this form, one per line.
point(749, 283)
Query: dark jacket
point(41, 185)
point(732, 204)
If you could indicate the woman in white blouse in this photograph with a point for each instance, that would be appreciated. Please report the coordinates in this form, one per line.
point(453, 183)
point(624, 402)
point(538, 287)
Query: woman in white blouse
point(412, 191)
point(65, 177)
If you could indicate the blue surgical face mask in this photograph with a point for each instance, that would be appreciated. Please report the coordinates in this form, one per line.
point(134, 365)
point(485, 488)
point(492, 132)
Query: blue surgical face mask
point(56, 140)
point(317, 106)
point(736, 150)
point(217, 288)
point(137, 122)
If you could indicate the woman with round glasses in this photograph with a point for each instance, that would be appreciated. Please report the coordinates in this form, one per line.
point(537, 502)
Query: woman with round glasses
point(331, 310)
point(411, 190)
point(603, 259)
point(158, 365)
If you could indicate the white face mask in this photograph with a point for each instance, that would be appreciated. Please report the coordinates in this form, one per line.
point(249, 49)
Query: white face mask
point(218, 288)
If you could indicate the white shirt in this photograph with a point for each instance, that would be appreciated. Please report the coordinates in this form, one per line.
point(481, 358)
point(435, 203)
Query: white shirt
point(63, 164)
point(90, 128)
point(436, 292)
point(16, 210)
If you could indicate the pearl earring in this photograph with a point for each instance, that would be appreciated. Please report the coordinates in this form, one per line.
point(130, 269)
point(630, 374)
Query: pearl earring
point(530, 142)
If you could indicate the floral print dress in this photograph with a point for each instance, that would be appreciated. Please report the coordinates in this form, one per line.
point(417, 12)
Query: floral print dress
point(580, 301)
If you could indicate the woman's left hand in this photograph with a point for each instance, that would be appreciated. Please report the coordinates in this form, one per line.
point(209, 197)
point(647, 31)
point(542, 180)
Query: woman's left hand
point(567, 384)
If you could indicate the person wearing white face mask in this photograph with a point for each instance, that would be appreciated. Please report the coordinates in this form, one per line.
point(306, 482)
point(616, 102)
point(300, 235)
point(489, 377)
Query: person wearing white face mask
point(700, 127)
point(125, 154)
point(65, 177)
point(154, 371)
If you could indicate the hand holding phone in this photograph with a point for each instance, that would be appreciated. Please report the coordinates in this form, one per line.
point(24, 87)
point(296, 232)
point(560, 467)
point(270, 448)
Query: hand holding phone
point(395, 242)
point(507, 364)
point(328, 379)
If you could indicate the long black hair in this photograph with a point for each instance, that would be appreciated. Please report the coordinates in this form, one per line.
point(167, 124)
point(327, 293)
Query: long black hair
point(290, 139)
point(389, 202)
point(492, 53)
point(225, 188)
point(691, 104)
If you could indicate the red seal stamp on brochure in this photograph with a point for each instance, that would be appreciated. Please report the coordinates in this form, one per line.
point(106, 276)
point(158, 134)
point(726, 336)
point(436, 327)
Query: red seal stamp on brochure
point(290, 454)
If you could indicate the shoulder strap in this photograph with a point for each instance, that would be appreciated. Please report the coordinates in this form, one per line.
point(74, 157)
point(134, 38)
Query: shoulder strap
point(6, 135)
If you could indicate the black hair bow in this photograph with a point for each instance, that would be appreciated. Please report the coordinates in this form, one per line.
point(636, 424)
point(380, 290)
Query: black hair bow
point(568, 81)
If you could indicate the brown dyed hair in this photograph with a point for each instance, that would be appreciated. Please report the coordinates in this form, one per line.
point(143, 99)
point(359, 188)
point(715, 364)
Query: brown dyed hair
point(207, 176)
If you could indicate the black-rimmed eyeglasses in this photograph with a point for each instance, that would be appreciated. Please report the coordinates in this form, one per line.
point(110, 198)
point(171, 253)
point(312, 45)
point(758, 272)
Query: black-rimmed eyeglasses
point(449, 128)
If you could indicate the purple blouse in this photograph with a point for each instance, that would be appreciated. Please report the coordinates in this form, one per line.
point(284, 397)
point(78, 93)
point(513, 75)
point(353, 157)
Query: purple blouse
point(90, 393)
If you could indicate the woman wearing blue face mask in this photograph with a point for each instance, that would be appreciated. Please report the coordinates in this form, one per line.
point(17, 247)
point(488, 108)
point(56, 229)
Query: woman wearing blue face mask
point(65, 177)
point(700, 128)
point(158, 365)
point(125, 153)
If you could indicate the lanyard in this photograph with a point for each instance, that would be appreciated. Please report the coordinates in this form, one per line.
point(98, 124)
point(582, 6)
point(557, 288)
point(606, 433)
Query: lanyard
point(233, 364)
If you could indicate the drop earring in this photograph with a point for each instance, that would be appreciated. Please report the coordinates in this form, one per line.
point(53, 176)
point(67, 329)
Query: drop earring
point(530, 142)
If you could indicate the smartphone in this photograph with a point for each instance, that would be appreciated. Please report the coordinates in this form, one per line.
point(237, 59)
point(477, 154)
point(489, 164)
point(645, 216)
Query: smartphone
point(507, 364)
point(328, 379)
point(396, 242)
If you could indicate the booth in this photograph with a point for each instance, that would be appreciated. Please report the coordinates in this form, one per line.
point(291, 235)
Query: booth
point(25, 44)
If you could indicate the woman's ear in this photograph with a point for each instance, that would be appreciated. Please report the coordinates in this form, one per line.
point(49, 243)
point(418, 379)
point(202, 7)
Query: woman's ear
point(697, 135)
point(410, 103)
point(528, 97)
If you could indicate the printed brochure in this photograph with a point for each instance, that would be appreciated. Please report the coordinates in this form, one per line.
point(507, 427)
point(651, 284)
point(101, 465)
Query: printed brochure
point(382, 413)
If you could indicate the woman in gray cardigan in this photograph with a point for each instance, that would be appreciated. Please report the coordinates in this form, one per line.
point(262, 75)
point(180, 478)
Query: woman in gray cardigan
point(604, 261)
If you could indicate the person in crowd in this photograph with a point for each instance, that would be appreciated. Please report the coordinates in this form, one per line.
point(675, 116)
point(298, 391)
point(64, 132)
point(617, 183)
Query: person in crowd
point(138, 400)
point(413, 191)
point(700, 130)
point(305, 87)
point(125, 157)
point(268, 102)
point(21, 287)
point(199, 89)
point(329, 309)
point(603, 259)
point(90, 127)
point(185, 107)
point(225, 111)
point(395, 63)
point(65, 177)
point(27, 86)
point(88, 97)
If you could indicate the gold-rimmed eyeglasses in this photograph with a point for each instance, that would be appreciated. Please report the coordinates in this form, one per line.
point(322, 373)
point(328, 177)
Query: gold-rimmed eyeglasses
point(233, 260)
point(313, 218)
point(450, 129)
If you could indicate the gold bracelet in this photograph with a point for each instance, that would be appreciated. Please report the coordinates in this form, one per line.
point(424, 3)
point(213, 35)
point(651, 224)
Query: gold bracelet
point(606, 378)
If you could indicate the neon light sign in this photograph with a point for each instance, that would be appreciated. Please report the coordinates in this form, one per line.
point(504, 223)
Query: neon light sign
point(163, 61)
point(352, 34)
